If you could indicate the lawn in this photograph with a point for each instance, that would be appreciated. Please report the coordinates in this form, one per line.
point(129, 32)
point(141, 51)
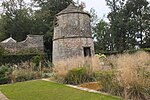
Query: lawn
point(43, 90)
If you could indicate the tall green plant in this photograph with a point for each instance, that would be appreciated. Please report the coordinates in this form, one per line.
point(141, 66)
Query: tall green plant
point(138, 92)
point(77, 76)
point(109, 83)
point(37, 61)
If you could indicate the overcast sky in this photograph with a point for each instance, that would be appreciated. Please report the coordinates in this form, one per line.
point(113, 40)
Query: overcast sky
point(99, 5)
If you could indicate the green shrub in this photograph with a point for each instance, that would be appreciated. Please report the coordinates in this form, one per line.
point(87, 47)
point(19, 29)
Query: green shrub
point(14, 59)
point(25, 75)
point(109, 83)
point(37, 60)
point(28, 51)
point(4, 80)
point(78, 76)
point(5, 74)
point(135, 50)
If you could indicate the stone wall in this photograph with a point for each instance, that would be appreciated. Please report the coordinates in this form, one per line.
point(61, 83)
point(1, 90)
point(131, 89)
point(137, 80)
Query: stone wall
point(71, 47)
point(72, 25)
point(32, 41)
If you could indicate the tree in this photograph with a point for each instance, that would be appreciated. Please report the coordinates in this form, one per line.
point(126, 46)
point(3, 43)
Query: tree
point(146, 31)
point(44, 19)
point(46, 14)
point(17, 18)
point(94, 17)
point(38, 18)
point(117, 28)
point(102, 36)
point(2, 34)
point(128, 21)
point(138, 13)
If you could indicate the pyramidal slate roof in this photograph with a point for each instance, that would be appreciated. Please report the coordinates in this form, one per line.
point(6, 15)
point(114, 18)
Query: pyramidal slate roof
point(72, 9)
point(9, 40)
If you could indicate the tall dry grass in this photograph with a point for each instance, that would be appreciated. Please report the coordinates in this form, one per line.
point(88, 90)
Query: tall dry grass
point(131, 73)
point(62, 67)
point(26, 71)
point(126, 64)
point(133, 66)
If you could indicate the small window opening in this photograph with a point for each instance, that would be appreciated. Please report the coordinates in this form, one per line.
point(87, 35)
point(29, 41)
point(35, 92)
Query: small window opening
point(56, 22)
point(87, 51)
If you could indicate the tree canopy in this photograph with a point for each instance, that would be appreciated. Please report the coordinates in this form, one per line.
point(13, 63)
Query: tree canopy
point(128, 26)
point(19, 19)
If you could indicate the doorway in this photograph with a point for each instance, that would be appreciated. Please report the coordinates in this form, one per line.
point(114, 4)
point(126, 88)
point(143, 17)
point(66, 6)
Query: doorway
point(87, 51)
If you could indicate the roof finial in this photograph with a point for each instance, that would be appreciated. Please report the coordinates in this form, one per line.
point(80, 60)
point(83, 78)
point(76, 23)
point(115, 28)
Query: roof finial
point(82, 5)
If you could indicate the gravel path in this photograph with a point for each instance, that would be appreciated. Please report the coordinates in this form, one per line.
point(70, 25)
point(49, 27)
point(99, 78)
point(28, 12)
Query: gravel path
point(2, 96)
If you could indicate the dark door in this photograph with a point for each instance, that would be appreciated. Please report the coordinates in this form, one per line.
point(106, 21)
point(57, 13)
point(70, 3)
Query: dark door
point(87, 51)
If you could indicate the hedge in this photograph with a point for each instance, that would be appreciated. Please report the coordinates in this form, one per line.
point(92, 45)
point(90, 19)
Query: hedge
point(134, 50)
point(108, 53)
point(14, 59)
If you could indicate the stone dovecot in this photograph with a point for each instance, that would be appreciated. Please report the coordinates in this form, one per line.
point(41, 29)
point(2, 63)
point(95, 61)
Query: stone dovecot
point(72, 34)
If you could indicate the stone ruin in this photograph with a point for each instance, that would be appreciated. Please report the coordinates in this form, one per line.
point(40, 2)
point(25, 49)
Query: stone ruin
point(32, 41)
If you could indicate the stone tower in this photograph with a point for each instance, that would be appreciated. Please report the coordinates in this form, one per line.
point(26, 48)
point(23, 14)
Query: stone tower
point(72, 34)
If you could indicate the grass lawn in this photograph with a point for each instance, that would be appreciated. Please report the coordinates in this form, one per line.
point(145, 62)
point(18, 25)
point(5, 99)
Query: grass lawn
point(43, 90)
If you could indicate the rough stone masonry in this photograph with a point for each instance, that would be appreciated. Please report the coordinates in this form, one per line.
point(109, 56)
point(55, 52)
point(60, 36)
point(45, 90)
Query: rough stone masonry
point(32, 41)
point(72, 34)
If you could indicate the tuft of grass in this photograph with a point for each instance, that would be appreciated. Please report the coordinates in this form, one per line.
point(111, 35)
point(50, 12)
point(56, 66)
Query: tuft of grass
point(43, 90)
